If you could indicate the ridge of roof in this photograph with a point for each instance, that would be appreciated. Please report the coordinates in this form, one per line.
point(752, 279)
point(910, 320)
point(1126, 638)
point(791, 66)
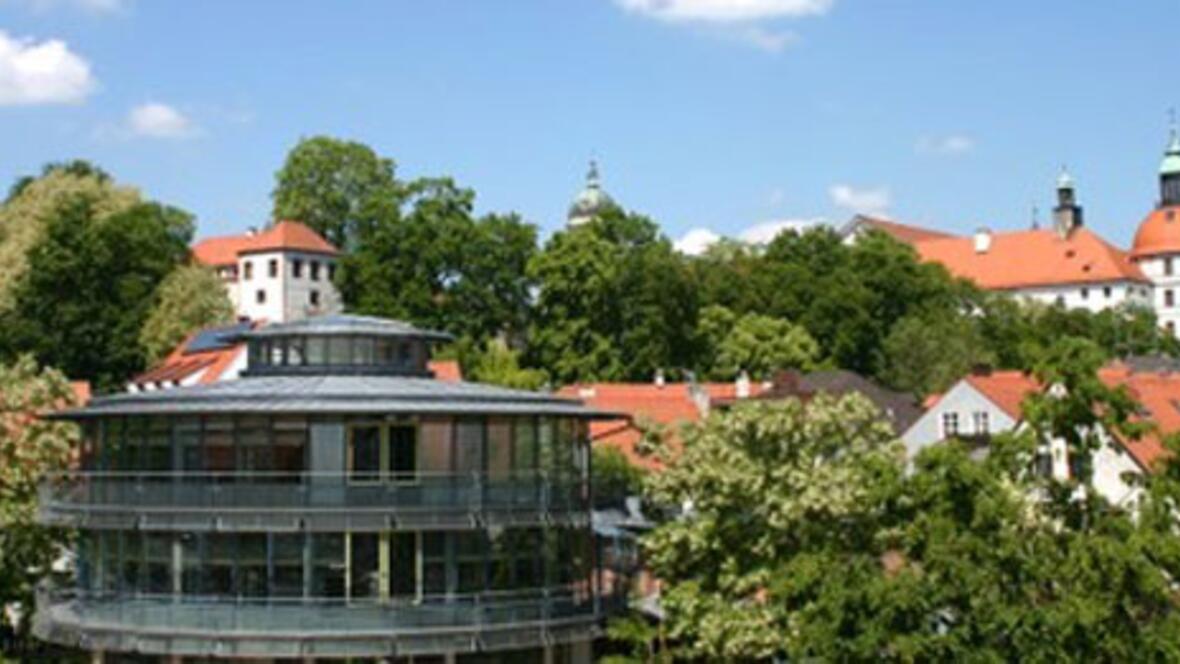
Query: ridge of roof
point(282, 235)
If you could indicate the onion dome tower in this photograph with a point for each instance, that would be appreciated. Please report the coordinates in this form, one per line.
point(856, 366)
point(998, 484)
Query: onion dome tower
point(1067, 215)
point(591, 201)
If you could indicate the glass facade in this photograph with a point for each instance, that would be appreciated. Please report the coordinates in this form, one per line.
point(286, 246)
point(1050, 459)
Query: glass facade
point(263, 534)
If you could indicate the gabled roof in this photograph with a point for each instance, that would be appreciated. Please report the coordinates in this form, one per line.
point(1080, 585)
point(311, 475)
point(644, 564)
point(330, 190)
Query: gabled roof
point(906, 233)
point(1031, 258)
point(283, 235)
point(1157, 392)
point(670, 405)
point(184, 362)
point(1006, 389)
point(901, 409)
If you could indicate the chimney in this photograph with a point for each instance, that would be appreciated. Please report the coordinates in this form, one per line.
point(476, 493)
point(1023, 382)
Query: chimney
point(742, 385)
point(659, 378)
point(983, 240)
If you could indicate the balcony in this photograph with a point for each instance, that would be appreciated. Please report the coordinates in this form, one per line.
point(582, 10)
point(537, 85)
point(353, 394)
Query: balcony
point(172, 625)
point(308, 501)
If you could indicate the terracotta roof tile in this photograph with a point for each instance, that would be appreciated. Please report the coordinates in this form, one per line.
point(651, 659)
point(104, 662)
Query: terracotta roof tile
point(1021, 259)
point(446, 370)
point(902, 232)
point(293, 235)
point(1159, 233)
point(669, 405)
point(1006, 389)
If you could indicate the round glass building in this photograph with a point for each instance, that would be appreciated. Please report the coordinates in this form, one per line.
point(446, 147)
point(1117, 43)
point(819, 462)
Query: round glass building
point(336, 501)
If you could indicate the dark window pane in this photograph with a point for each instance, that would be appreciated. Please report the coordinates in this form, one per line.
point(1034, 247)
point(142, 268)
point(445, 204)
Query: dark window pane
point(403, 450)
point(252, 565)
point(403, 573)
point(469, 447)
point(327, 566)
point(288, 565)
point(364, 453)
point(364, 575)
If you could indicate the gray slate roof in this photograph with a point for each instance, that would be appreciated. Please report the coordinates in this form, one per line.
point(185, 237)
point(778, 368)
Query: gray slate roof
point(336, 394)
point(901, 409)
point(338, 324)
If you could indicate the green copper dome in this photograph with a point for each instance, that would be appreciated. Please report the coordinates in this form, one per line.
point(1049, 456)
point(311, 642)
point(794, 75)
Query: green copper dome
point(1171, 163)
point(589, 202)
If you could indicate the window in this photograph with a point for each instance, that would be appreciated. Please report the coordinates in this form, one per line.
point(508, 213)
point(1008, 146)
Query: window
point(260, 296)
point(1059, 300)
point(950, 425)
point(1168, 266)
point(364, 453)
point(403, 564)
point(327, 565)
point(331, 271)
point(247, 270)
point(1106, 292)
point(272, 268)
point(365, 577)
point(1169, 298)
point(1170, 326)
point(315, 270)
point(403, 452)
point(313, 298)
point(979, 420)
point(297, 268)
point(1085, 293)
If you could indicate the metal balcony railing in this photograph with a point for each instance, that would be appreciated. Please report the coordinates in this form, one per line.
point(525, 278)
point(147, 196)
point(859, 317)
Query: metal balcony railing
point(228, 618)
point(309, 492)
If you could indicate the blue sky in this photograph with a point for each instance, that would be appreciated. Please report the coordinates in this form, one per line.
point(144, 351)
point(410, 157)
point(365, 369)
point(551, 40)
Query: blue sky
point(718, 114)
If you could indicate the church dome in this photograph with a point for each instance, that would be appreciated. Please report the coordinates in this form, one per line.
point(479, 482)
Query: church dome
point(1159, 233)
point(591, 201)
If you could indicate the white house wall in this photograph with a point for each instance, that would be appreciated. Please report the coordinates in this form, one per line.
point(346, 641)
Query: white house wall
point(963, 399)
point(1091, 297)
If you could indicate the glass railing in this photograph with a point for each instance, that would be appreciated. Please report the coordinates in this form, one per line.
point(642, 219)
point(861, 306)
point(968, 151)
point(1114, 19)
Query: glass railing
point(295, 492)
point(224, 618)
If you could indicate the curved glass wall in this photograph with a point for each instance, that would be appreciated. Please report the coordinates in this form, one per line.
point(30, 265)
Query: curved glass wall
point(308, 354)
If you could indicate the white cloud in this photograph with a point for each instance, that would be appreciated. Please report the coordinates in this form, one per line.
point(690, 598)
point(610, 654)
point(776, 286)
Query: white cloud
point(873, 200)
point(726, 11)
point(91, 6)
point(46, 72)
point(953, 144)
point(156, 120)
point(696, 241)
point(766, 231)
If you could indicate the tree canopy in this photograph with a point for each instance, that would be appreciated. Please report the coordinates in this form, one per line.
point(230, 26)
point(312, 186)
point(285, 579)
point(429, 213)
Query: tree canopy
point(339, 188)
point(190, 298)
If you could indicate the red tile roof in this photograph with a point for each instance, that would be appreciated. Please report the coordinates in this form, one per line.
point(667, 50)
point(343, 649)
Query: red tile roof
point(181, 364)
point(1022, 259)
point(1006, 389)
point(901, 232)
point(1159, 233)
point(1157, 392)
point(446, 370)
point(669, 405)
point(284, 235)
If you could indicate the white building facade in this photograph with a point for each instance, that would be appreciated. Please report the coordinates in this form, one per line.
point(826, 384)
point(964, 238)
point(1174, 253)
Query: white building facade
point(283, 274)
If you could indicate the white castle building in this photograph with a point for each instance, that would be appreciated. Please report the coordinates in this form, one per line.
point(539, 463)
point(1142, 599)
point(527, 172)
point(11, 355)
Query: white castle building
point(281, 274)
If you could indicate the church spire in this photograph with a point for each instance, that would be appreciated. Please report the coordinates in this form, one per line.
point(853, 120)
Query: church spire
point(1170, 168)
point(1067, 215)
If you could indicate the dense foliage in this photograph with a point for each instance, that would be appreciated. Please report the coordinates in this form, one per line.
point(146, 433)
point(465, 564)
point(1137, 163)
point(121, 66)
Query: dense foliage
point(29, 448)
point(190, 298)
point(846, 557)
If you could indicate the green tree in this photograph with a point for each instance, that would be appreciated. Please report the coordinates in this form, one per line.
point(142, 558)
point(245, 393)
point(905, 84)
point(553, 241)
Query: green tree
point(847, 558)
point(926, 354)
point(759, 345)
point(83, 301)
point(615, 477)
point(30, 448)
point(436, 265)
point(781, 478)
point(497, 364)
point(342, 189)
point(614, 302)
point(190, 298)
point(33, 202)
